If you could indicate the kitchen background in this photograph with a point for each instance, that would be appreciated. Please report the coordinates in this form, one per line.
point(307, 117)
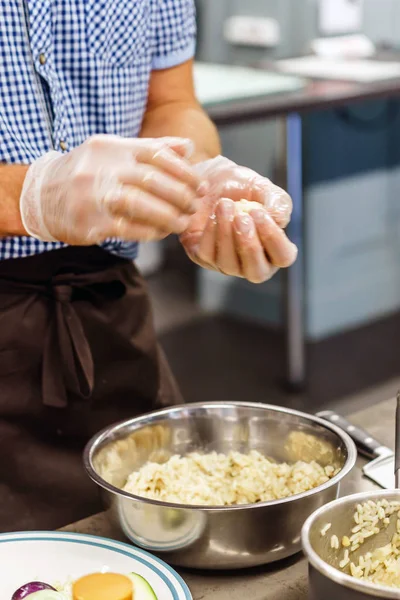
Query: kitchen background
point(223, 336)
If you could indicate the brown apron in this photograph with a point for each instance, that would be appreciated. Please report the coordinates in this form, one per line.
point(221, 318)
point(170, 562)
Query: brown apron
point(77, 352)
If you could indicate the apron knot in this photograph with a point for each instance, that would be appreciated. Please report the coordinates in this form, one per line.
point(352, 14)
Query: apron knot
point(67, 359)
point(68, 368)
point(62, 293)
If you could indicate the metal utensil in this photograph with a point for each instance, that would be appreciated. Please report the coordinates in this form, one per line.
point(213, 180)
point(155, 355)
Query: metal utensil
point(326, 579)
point(381, 468)
point(397, 444)
point(216, 537)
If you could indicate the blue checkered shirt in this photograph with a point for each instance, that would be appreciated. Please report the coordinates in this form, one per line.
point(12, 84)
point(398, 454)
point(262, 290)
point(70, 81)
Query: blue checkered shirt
point(73, 68)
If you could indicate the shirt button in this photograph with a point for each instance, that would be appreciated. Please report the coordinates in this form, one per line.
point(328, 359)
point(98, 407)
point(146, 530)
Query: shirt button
point(63, 145)
point(42, 59)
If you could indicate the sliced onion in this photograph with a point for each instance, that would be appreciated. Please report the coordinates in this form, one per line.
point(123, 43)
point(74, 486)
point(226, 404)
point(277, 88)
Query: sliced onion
point(30, 588)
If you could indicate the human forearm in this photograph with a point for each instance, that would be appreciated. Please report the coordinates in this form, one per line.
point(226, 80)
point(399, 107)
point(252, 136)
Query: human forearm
point(173, 110)
point(11, 182)
point(186, 120)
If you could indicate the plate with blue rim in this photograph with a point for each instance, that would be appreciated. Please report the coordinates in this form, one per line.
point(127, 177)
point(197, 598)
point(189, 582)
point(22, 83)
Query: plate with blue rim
point(59, 558)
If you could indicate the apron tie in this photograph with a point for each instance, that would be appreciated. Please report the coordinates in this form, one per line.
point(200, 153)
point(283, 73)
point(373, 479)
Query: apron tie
point(67, 358)
point(67, 365)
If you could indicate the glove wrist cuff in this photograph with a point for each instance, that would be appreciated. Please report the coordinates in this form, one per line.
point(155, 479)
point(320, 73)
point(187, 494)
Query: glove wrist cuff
point(30, 199)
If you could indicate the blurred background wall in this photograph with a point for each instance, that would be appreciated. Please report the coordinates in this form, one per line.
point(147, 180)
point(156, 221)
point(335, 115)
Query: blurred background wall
point(352, 210)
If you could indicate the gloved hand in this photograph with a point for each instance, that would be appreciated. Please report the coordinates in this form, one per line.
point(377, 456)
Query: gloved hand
point(243, 239)
point(133, 189)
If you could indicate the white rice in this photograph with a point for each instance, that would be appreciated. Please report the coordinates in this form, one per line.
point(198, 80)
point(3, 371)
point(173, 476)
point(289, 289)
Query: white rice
point(325, 529)
point(225, 479)
point(346, 560)
point(335, 542)
point(382, 565)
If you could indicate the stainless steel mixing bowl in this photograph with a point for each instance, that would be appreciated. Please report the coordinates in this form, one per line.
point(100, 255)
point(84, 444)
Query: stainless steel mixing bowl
point(216, 537)
point(327, 580)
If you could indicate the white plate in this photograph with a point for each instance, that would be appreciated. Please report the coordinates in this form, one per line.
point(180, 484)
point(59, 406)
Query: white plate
point(60, 557)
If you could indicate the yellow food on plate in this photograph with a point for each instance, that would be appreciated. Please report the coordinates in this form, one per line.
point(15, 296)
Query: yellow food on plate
point(103, 586)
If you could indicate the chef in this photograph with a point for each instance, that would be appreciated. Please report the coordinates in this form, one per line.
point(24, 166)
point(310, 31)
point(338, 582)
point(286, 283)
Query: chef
point(102, 145)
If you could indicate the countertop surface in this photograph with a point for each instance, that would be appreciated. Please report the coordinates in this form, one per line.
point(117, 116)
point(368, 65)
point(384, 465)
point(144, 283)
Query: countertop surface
point(286, 580)
point(315, 94)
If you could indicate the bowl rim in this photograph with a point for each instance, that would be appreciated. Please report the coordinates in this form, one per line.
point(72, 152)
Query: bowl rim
point(154, 563)
point(332, 573)
point(98, 439)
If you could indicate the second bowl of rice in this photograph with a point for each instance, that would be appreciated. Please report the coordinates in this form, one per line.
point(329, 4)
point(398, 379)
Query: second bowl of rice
point(353, 547)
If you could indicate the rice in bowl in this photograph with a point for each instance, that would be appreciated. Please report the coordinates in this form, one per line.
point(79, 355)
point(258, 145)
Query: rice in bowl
point(216, 479)
point(380, 565)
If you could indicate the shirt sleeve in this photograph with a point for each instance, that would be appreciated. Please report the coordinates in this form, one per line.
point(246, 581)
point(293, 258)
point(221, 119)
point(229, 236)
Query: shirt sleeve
point(175, 32)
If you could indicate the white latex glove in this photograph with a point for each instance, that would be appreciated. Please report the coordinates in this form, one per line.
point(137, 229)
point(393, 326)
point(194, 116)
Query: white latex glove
point(243, 239)
point(133, 189)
